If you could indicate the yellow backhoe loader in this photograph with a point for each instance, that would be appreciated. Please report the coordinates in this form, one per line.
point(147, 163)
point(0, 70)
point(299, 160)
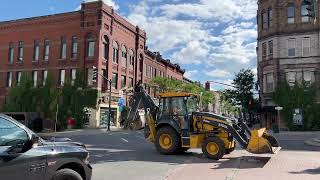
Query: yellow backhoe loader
point(175, 125)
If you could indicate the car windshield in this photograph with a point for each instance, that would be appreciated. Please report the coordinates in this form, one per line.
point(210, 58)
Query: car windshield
point(11, 134)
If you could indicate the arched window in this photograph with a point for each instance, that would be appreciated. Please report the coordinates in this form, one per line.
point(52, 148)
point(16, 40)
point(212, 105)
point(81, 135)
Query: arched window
point(270, 17)
point(115, 52)
point(264, 20)
point(124, 56)
point(131, 59)
point(304, 12)
point(290, 13)
point(106, 47)
point(90, 45)
point(141, 63)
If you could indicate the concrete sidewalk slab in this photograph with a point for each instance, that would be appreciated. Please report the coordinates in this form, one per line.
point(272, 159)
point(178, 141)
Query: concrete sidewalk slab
point(240, 165)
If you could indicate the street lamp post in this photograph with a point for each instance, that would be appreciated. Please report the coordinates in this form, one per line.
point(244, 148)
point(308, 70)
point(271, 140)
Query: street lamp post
point(278, 108)
point(109, 84)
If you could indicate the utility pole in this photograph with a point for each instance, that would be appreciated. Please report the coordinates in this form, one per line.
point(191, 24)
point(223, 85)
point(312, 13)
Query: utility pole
point(109, 85)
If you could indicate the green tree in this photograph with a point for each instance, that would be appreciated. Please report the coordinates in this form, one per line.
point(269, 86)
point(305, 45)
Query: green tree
point(21, 97)
point(166, 84)
point(302, 95)
point(74, 98)
point(242, 94)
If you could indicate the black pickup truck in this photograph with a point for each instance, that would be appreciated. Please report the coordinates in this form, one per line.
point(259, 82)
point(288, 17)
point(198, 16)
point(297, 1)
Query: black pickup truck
point(26, 156)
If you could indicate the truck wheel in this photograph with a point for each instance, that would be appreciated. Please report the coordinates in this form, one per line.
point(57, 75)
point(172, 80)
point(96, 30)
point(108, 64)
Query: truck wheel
point(66, 174)
point(167, 141)
point(213, 148)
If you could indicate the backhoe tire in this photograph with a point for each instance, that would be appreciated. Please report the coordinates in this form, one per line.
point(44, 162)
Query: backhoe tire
point(213, 148)
point(167, 141)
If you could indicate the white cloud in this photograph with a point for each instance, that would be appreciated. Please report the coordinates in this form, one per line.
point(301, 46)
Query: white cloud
point(108, 2)
point(218, 73)
point(191, 74)
point(220, 34)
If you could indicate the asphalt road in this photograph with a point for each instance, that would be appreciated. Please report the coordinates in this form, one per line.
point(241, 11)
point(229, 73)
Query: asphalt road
point(121, 155)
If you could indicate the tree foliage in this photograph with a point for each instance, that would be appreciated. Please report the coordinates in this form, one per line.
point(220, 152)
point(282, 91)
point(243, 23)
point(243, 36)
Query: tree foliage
point(302, 95)
point(242, 94)
point(72, 98)
point(166, 84)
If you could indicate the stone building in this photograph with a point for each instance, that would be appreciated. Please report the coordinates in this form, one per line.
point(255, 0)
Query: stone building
point(288, 49)
point(65, 43)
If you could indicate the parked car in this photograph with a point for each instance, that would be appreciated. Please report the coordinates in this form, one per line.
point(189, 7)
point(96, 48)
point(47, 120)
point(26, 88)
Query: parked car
point(24, 155)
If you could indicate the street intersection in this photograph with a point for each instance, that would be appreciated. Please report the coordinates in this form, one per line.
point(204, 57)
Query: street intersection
point(122, 155)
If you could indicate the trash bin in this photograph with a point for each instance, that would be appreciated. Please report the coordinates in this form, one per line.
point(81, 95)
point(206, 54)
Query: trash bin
point(71, 123)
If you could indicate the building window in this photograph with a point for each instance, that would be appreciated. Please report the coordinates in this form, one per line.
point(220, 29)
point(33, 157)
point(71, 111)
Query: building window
point(123, 81)
point(18, 76)
point(304, 12)
point(90, 76)
point(63, 48)
point(44, 77)
point(46, 50)
point(131, 59)
point(291, 78)
point(264, 20)
point(73, 74)
point(306, 45)
point(34, 78)
point(11, 53)
point(270, 44)
point(269, 82)
point(131, 82)
point(20, 51)
point(290, 14)
point(62, 76)
point(141, 63)
point(115, 80)
point(124, 56)
point(74, 50)
point(291, 47)
point(270, 17)
point(91, 46)
point(36, 50)
point(115, 52)
point(264, 50)
point(106, 48)
point(9, 79)
point(308, 76)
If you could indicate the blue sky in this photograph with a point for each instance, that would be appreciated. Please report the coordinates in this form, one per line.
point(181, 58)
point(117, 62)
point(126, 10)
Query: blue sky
point(211, 39)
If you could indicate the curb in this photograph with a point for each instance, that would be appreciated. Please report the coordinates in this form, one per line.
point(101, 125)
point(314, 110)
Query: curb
point(313, 142)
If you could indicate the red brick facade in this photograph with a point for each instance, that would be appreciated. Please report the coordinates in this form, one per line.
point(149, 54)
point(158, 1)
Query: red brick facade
point(119, 48)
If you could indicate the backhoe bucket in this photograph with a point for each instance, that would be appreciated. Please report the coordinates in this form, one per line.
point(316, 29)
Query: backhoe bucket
point(262, 143)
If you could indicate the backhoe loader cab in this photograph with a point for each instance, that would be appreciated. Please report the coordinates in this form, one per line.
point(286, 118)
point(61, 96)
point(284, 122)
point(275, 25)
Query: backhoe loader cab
point(175, 125)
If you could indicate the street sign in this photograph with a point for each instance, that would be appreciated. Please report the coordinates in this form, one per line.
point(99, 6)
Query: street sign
point(278, 108)
point(297, 118)
point(120, 104)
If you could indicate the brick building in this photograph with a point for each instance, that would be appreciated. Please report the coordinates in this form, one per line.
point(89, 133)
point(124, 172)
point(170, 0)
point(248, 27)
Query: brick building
point(288, 48)
point(66, 43)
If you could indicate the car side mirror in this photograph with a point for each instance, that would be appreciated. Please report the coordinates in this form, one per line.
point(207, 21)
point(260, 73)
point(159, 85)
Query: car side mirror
point(35, 139)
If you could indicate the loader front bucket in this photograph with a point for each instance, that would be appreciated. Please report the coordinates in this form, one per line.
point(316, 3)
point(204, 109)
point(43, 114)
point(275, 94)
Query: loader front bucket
point(262, 143)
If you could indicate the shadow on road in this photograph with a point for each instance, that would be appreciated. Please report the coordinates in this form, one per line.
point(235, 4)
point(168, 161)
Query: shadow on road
point(244, 162)
point(308, 171)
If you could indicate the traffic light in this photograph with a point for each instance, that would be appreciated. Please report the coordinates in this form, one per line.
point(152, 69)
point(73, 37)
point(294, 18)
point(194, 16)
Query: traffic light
point(312, 8)
point(94, 74)
point(207, 86)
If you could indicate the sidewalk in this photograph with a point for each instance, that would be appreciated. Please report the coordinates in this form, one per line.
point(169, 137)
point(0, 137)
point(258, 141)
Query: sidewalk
point(240, 165)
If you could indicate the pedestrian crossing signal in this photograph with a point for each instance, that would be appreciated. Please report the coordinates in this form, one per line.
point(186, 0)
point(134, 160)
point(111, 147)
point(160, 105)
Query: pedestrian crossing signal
point(94, 74)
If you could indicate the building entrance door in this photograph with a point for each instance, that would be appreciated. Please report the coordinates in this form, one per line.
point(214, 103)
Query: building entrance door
point(104, 116)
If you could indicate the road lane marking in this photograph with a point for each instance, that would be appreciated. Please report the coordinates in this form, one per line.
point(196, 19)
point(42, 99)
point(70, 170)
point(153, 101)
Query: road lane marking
point(123, 139)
